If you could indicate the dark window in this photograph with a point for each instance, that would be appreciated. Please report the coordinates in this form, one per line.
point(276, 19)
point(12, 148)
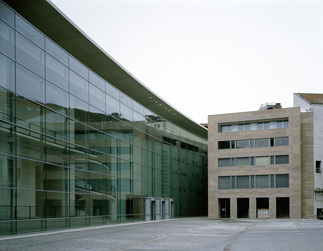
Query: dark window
point(282, 159)
point(282, 180)
point(262, 181)
point(318, 166)
point(242, 182)
point(224, 144)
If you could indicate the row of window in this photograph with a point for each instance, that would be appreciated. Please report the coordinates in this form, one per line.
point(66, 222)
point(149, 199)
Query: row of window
point(254, 161)
point(251, 143)
point(254, 126)
point(253, 181)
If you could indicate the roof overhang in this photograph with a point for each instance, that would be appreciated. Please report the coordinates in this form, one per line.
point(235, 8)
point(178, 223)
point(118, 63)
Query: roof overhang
point(46, 17)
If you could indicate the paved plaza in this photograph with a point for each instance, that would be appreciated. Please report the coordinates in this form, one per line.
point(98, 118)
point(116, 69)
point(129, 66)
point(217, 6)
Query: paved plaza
point(180, 234)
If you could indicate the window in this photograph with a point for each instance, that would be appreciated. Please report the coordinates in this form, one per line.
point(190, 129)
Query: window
point(262, 181)
point(282, 159)
point(282, 180)
point(262, 142)
point(253, 181)
point(242, 182)
point(262, 160)
point(242, 143)
point(224, 182)
point(244, 161)
point(318, 166)
point(224, 162)
point(224, 144)
point(273, 124)
point(282, 141)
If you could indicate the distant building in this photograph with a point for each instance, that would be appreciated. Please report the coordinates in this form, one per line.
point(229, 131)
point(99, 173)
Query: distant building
point(82, 141)
point(313, 103)
point(261, 164)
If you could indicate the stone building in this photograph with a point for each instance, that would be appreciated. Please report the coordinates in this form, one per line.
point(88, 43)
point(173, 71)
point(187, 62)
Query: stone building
point(261, 164)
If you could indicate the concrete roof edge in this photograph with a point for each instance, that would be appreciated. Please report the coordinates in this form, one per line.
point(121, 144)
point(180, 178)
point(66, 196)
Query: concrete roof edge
point(178, 119)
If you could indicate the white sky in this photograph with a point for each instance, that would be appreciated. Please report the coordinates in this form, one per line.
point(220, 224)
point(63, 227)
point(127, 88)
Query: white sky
point(210, 57)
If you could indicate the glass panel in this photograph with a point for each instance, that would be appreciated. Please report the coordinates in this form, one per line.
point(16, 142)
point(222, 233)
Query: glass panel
point(224, 162)
point(78, 109)
point(79, 68)
point(241, 127)
point(260, 161)
point(56, 51)
point(242, 161)
point(79, 87)
point(7, 105)
point(96, 118)
point(242, 143)
point(282, 141)
point(282, 159)
point(125, 100)
point(242, 182)
point(126, 112)
point(262, 142)
point(56, 72)
point(57, 153)
point(282, 180)
point(29, 55)
point(29, 31)
point(29, 145)
point(7, 42)
point(7, 73)
point(138, 107)
point(112, 91)
point(262, 181)
point(260, 126)
point(29, 84)
point(56, 125)
point(224, 144)
point(7, 135)
point(6, 14)
point(97, 97)
point(56, 98)
point(224, 182)
point(96, 80)
point(112, 106)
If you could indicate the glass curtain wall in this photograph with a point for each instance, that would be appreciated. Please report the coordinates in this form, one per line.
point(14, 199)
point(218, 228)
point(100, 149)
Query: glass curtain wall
point(75, 151)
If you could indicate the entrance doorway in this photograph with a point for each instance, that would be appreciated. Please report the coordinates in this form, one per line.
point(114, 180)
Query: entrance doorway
point(282, 207)
point(262, 208)
point(224, 208)
point(243, 208)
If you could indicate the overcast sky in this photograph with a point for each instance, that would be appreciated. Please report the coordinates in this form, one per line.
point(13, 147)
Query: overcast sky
point(211, 57)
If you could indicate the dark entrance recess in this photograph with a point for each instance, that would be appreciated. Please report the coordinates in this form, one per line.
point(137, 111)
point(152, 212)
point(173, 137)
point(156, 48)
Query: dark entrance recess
point(243, 207)
point(224, 207)
point(263, 208)
point(282, 207)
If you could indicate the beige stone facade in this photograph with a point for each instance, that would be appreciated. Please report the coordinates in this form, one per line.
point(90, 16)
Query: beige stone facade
point(265, 193)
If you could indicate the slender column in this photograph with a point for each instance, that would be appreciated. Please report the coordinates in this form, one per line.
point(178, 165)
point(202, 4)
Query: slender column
point(158, 209)
point(147, 209)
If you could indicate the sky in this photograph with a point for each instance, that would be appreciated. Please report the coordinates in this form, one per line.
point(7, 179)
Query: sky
point(208, 57)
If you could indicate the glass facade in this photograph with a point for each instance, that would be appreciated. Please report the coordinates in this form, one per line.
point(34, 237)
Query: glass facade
point(75, 151)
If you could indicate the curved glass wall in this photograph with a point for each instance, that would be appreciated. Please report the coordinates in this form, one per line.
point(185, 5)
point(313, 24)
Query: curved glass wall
point(75, 151)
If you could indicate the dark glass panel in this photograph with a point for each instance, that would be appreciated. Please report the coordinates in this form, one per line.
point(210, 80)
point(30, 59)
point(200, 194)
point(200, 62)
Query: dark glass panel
point(7, 40)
